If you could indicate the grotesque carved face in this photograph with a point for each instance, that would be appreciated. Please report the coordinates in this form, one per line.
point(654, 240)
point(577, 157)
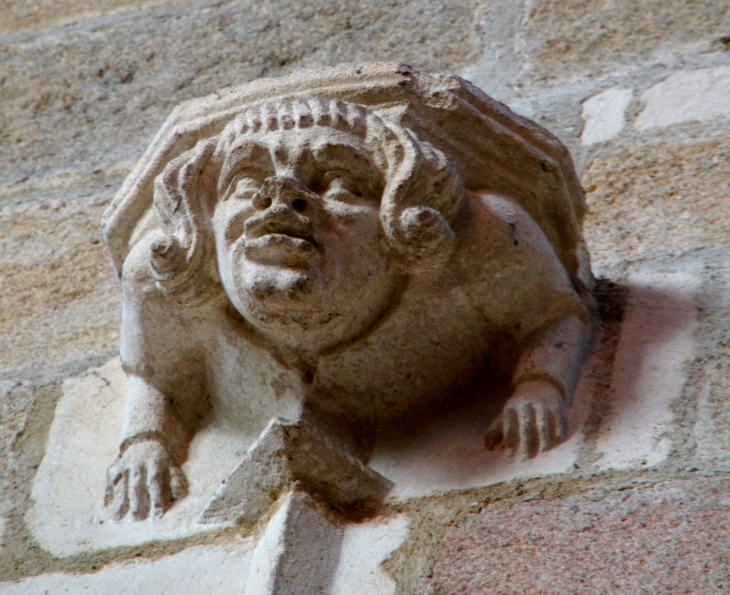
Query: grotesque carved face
point(300, 244)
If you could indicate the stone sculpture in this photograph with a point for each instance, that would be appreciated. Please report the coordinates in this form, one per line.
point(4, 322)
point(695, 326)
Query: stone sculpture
point(333, 250)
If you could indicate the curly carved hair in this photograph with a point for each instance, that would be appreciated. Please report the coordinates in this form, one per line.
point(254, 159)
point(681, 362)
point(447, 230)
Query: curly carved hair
point(422, 193)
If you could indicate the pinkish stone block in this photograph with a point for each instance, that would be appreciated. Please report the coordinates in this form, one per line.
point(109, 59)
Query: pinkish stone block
point(664, 540)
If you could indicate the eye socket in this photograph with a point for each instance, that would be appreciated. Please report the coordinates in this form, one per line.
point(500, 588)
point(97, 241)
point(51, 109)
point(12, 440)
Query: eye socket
point(339, 184)
point(245, 188)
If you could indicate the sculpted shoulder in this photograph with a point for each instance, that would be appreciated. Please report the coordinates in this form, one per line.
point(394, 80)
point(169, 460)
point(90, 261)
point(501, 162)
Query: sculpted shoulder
point(509, 268)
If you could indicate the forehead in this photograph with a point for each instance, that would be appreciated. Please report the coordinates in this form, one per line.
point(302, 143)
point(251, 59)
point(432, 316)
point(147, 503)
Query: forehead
point(303, 153)
point(317, 145)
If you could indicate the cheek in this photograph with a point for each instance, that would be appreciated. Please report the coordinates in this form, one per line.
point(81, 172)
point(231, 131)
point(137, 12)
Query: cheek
point(358, 243)
point(229, 220)
point(357, 223)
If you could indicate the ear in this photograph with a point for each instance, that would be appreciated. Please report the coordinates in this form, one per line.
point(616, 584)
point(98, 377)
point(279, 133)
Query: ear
point(428, 239)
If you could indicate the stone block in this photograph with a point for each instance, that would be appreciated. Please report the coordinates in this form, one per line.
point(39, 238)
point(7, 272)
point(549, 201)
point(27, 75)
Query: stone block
point(286, 453)
point(566, 39)
point(670, 539)
point(23, 16)
point(605, 115)
point(686, 96)
point(651, 366)
point(16, 401)
point(3, 523)
point(298, 551)
point(712, 386)
point(92, 95)
point(63, 301)
point(648, 201)
point(202, 570)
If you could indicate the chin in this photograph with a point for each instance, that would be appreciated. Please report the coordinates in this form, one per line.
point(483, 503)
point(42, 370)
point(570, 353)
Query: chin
point(275, 297)
point(274, 283)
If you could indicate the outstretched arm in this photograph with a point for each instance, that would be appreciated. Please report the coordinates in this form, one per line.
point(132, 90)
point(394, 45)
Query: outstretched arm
point(146, 478)
point(164, 365)
point(534, 418)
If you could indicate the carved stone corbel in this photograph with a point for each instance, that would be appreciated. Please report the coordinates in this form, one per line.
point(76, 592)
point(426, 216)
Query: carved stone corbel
point(333, 250)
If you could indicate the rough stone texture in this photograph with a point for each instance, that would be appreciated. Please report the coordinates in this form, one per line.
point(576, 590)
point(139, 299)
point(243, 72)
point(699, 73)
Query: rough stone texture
point(365, 547)
point(90, 95)
point(298, 552)
point(3, 522)
point(58, 294)
point(649, 200)
point(572, 38)
point(671, 539)
point(712, 429)
point(22, 16)
point(445, 452)
point(67, 515)
point(282, 256)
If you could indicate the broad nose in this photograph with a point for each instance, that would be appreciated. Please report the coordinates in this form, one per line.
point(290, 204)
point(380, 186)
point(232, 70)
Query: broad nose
point(281, 191)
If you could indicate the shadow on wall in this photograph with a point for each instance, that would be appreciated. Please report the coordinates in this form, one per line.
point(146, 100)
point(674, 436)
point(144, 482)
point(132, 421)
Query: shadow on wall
point(620, 411)
point(655, 346)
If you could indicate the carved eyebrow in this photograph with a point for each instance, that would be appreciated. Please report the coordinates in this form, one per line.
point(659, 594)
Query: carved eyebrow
point(349, 159)
point(249, 155)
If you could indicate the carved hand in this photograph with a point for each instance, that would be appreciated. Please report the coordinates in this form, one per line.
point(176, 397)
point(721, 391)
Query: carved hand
point(143, 481)
point(532, 421)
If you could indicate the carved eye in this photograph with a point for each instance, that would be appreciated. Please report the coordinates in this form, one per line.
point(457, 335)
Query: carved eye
point(246, 187)
point(340, 186)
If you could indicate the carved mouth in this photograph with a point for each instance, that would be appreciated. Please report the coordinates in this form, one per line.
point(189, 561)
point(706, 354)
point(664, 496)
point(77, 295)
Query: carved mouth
point(272, 240)
point(280, 242)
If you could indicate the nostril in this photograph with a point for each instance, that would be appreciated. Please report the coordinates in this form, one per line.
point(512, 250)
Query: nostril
point(265, 203)
point(299, 204)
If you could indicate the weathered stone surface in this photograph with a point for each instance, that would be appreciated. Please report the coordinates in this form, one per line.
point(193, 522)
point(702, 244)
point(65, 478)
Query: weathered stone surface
point(286, 453)
point(605, 115)
point(93, 94)
point(573, 38)
point(3, 523)
point(646, 201)
point(246, 566)
point(686, 96)
point(21, 16)
point(446, 452)
point(671, 539)
point(16, 400)
point(83, 87)
point(59, 297)
point(203, 570)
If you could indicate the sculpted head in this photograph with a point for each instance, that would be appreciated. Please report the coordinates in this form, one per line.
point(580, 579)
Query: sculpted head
point(309, 213)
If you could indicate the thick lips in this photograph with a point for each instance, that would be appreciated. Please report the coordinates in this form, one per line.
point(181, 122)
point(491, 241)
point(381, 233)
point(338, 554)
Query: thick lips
point(283, 238)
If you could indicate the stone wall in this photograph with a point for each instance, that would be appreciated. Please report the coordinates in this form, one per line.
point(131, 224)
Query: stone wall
point(637, 500)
